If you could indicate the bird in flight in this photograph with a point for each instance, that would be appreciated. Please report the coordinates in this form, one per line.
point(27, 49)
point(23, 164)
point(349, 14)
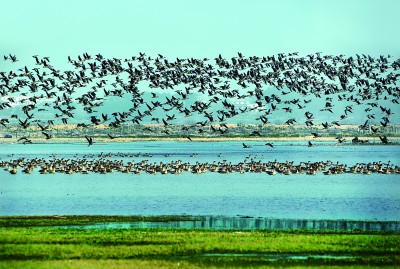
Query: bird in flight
point(48, 136)
point(110, 136)
point(89, 140)
point(269, 144)
point(246, 146)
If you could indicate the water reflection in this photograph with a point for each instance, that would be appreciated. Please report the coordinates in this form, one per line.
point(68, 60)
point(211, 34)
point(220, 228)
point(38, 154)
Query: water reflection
point(245, 223)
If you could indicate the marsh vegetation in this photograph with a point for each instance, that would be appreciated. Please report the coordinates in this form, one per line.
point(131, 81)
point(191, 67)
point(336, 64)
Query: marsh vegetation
point(41, 247)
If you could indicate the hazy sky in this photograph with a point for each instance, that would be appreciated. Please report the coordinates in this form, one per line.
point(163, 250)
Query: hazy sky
point(182, 28)
point(206, 28)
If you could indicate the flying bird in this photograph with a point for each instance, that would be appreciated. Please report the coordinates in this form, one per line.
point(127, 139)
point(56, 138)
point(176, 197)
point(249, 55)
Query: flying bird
point(315, 135)
point(246, 146)
point(48, 136)
point(110, 136)
point(89, 140)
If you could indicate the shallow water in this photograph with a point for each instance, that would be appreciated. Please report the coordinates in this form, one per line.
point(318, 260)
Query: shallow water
point(249, 223)
point(345, 196)
point(274, 257)
point(231, 151)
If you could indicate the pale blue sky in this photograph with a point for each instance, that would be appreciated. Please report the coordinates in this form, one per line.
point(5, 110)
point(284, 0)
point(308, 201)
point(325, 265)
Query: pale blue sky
point(206, 28)
point(182, 28)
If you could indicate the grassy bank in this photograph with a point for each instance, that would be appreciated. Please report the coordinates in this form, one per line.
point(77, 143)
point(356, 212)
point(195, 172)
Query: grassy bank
point(32, 247)
point(32, 221)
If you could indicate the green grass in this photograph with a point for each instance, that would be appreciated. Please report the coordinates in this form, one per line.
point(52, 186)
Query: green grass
point(32, 221)
point(30, 247)
point(148, 264)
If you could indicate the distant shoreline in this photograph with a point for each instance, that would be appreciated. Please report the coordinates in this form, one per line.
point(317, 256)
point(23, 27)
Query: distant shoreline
point(183, 139)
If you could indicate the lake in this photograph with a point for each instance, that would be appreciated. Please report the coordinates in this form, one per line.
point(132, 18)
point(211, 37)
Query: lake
point(297, 196)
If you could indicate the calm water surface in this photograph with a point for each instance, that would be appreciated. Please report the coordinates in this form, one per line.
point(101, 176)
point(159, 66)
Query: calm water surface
point(345, 196)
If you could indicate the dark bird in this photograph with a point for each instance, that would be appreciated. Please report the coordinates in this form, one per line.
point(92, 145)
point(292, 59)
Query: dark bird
point(13, 58)
point(4, 122)
point(246, 146)
point(255, 133)
point(43, 128)
point(222, 131)
point(269, 144)
point(24, 124)
point(374, 130)
point(384, 139)
point(110, 136)
point(48, 136)
point(309, 123)
point(89, 140)
point(341, 140)
point(25, 140)
point(364, 126)
point(315, 135)
point(384, 123)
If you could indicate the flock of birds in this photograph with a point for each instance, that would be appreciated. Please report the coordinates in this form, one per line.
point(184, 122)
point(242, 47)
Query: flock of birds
point(106, 166)
point(212, 91)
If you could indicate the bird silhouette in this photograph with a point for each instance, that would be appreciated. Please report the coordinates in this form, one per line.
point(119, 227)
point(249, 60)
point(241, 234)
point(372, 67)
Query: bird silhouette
point(269, 144)
point(246, 146)
point(315, 135)
point(384, 139)
point(374, 130)
point(48, 136)
point(89, 140)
